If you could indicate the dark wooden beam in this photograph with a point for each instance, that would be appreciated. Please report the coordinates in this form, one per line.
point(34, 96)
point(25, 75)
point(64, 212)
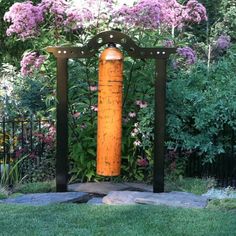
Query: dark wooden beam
point(159, 126)
point(62, 126)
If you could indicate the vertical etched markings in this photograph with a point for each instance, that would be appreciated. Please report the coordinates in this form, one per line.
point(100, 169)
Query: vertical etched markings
point(110, 112)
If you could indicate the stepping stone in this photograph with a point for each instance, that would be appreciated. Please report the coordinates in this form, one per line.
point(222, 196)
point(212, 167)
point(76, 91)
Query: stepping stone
point(95, 201)
point(104, 188)
point(124, 197)
point(41, 199)
point(139, 187)
point(174, 199)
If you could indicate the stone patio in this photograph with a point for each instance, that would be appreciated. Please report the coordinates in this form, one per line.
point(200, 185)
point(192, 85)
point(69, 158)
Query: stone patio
point(103, 188)
point(112, 194)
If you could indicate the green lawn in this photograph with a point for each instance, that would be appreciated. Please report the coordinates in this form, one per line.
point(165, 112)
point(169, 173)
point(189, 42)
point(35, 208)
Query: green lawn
point(82, 219)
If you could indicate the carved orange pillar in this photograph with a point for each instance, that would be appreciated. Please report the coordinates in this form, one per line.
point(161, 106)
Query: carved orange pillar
point(109, 135)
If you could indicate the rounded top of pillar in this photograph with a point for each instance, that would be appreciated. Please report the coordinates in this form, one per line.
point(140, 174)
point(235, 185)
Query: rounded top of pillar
point(111, 53)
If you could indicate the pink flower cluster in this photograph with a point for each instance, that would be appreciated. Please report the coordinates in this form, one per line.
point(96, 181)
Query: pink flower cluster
point(168, 43)
point(47, 138)
point(94, 108)
point(145, 14)
point(172, 13)
point(132, 114)
point(56, 8)
point(141, 104)
point(31, 62)
point(194, 12)
point(223, 42)
point(151, 14)
point(92, 13)
point(137, 143)
point(188, 54)
point(76, 115)
point(135, 132)
point(76, 18)
point(142, 162)
point(20, 152)
point(25, 19)
point(93, 88)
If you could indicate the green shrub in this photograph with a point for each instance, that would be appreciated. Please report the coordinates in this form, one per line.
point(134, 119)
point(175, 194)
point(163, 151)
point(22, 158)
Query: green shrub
point(42, 169)
point(201, 108)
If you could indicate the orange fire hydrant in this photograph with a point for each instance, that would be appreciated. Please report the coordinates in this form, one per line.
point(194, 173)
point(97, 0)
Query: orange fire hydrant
point(109, 135)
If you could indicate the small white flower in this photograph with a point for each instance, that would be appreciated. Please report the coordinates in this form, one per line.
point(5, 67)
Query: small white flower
point(132, 114)
point(133, 134)
point(137, 143)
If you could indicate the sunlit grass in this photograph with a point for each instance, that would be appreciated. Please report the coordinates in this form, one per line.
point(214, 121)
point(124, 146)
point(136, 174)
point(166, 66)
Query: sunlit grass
point(82, 219)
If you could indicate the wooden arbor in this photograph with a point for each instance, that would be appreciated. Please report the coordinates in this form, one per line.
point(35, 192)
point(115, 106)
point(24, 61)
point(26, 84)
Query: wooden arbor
point(62, 55)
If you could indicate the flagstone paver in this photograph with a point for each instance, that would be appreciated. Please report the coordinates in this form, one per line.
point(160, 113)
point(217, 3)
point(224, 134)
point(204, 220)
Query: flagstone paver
point(40, 199)
point(96, 201)
point(104, 188)
point(174, 199)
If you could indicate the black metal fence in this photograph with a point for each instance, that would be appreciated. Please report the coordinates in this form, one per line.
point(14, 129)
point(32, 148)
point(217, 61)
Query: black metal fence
point(22, 137)
point(223, 169)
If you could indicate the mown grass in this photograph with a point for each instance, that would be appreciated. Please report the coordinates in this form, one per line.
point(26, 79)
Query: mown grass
point(82, 219)
point(222, 204)
point(192, 185)
point(37, 187)
point(3, 193)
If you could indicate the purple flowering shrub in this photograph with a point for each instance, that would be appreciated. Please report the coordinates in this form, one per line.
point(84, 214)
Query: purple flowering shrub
point(218, 47)
point(56, 10)
point(223, 42)
point(187, 54)
point(194, 12)
point(50, 21)
point(31, 62)
point(152, 14)
point(25, 19)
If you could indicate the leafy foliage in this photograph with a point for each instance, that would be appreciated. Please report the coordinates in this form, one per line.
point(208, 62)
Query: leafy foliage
point(201, 106)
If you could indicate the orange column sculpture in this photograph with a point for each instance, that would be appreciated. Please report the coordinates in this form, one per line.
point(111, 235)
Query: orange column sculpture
point(109, 135)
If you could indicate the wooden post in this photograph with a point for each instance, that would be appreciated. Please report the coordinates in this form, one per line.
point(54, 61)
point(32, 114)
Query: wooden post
point(62, 126)
point(159, 129)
